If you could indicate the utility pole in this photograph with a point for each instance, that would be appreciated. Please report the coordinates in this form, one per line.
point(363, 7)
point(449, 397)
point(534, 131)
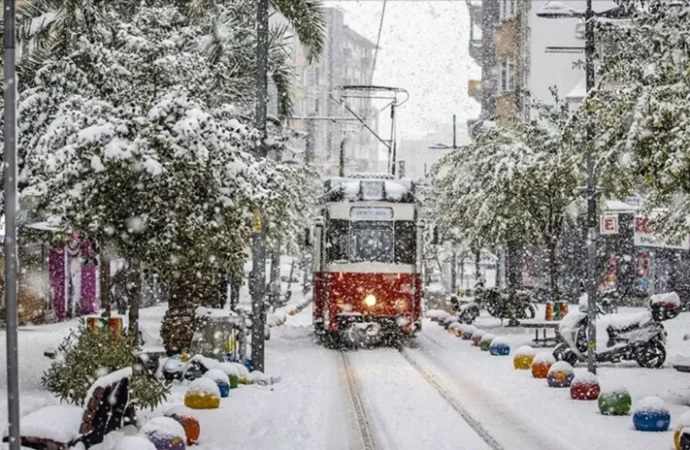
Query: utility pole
point(341, 159)
point(591, 202)
point(11, 201)
point(258, 247)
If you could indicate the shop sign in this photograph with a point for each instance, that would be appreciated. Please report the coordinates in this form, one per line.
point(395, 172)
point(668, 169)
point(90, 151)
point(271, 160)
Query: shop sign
point(609, 224)
point(644, 237)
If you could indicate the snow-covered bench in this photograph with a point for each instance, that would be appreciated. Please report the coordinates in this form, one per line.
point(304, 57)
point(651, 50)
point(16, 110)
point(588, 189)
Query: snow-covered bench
point(61, 426)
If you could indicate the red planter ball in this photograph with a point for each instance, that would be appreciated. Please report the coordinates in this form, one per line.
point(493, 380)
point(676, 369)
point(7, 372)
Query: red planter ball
point(585, 386)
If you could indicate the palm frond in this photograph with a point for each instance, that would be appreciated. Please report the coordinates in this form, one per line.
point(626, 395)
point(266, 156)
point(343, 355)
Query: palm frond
point(281, 70)
point(307, 19)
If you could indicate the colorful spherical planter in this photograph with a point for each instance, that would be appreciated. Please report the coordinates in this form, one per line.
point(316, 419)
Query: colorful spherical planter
point(682, 428)
point(523, 357)
point(651, 414)
point(541, 364)
point(585, 386)
point(468, 331)
point(192, 429)
point(453, 328)
point(232, 372)
point(560, 375)
point(499, 347)
point(203, 393)
point(485, 342)
point(615, 401)
point(477, 337)
point(165, 433)
point(221, 379)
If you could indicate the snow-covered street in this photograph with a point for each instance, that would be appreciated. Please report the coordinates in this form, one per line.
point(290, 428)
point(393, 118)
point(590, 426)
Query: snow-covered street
point(439, 392)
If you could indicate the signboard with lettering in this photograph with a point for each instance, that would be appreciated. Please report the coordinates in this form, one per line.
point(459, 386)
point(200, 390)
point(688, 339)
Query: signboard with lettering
point(371, 213)
point(644, 237)
point(609, 224)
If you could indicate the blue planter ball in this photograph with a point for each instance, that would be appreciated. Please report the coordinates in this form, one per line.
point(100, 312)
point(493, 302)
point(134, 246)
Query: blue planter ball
point(651, 415)
point(499, 348)
point(224, 389)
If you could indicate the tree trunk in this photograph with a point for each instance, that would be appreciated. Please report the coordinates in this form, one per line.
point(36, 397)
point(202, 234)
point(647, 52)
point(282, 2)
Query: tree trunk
point(275, 282)
point(178, 324)
point(514, 269)
point(134, 289)
point(553, 270)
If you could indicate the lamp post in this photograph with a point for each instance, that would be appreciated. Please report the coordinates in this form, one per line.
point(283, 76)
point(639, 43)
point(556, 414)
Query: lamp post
point(558, 10)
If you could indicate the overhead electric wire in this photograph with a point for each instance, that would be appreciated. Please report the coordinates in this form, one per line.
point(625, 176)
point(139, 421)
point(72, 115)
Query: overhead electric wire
point(378, 42)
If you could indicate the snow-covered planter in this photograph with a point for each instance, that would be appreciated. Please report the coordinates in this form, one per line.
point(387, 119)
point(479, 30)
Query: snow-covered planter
point(165, 433)
point(448, 321)
point(585, 386)
point(681, 432)
point(560, 375)
point(523, 357)
point(485, 342)
point(221, 379)
point(615, 401)
point(453, 328)
point(651, 414)
point(477, 337)
point(467, 332)
point(436, 315)
point(202, 393)
point(134, 443)
point(192, 429)
point(499, 347)
point(232, 372)
point(541, 364)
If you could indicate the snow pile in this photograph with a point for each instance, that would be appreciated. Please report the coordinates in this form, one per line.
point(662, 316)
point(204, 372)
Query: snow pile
point(203, 387)
point(134, 443)
point(276, 319)
point(544, 357)
point(163, 429)
point(448, 320)
point(57, 423)
point(584, 377)
point(217, 375)
point(651, 404)
point(230, 369)
point(465, 328)
point(526, 350)
point(667, 298)
point(257, 377)
point(437, 314)
point(561, 366)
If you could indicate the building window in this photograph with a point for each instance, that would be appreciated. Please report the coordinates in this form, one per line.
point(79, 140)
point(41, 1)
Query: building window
point(507, 9)
point(507, 75)
point(316, 106)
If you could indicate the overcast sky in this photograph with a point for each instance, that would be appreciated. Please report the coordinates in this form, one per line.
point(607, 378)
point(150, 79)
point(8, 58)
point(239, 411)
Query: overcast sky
point(424, 49)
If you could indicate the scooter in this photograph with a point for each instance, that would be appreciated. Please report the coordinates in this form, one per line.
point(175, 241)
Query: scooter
point(640, 338)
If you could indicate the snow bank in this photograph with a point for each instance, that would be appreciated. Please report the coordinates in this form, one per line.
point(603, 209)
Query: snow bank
point(525, 350)
point(667, 298)
point(58, 423)
point(134, 443)
point(544, 357)
point(203, 386)
point(651, 404)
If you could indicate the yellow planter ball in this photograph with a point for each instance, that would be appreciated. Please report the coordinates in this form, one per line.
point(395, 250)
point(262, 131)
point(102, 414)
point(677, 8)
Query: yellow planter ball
point(524, 357)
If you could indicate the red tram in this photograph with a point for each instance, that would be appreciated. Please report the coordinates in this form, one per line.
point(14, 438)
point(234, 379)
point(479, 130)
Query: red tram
point(367, 260)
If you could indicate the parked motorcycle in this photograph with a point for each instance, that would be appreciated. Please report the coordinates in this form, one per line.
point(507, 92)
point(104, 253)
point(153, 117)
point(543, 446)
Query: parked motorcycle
point(501, 306)
point(638, 337)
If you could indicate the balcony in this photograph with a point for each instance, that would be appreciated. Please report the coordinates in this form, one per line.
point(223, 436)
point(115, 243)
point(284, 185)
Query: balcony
point(474, 89)
point(475, 9)
point(477, 50)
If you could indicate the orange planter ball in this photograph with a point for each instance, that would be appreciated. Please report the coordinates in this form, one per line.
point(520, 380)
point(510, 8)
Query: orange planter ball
point(191, 427)
point(523, 358)
point(541, 364)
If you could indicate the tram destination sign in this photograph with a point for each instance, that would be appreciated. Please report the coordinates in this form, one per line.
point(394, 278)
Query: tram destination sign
point(371, 213)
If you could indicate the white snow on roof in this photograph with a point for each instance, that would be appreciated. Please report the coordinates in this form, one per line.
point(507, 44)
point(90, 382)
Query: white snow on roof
point(619, 206)
point(59, 423)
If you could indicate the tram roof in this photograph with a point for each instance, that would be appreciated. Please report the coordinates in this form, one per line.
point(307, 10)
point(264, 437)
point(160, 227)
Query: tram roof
point(369, 189)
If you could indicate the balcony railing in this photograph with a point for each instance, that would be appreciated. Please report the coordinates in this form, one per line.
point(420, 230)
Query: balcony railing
point(474, 89)
point(477, 50)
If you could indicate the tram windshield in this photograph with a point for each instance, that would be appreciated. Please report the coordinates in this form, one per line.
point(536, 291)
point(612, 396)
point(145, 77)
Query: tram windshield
point(372, 241)
point(375, 241)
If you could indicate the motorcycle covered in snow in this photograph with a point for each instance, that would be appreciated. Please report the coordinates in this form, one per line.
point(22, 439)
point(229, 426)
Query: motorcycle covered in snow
point(638, 337)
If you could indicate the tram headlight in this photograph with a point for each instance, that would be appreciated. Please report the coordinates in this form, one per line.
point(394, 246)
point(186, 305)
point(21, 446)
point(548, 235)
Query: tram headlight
point(401, 304)
point(370, 300)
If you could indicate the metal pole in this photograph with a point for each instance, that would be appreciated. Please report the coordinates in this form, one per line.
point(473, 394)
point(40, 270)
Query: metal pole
point(11, 202)
point(591, 202)
point(258, 249)
point(453, 273)
point(454, 132)
point(341, 159)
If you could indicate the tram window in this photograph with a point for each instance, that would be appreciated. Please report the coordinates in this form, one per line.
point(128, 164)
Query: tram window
point(372, 241)
point(336, 243)
point(405, 242)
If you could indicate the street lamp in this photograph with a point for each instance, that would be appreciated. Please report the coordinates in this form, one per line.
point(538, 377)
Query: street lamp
point(558, 10)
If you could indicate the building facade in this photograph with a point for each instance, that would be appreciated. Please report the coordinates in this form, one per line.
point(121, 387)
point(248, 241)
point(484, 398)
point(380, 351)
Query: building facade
point(347, 60)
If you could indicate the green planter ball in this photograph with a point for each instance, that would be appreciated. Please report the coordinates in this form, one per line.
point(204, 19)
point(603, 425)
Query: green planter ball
point(234, 381)
point(615, 402)
point(485, 343)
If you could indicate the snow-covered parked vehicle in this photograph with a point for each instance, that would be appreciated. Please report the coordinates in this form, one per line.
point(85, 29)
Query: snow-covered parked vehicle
point(639, 337)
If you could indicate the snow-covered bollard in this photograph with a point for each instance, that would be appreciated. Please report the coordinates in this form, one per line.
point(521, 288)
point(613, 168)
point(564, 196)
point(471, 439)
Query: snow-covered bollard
point(467, 331)
point(499, 347)
point(232, 372)
point(541, 364)
point(453, 328)
point(560, 375)
point(523, 357)
point(165, 433)
point(485, 342)
point(436, 315)
point(445, 323)
point(615, 401)
point(682, 429)
point(221, 379)
point(651, 414)
point(477, 337)
point(134, 443)
point(192, 429)
point(203, 393)
point(585, 386)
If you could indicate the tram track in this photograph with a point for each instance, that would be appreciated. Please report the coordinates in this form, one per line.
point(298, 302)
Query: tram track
point(363, 424)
